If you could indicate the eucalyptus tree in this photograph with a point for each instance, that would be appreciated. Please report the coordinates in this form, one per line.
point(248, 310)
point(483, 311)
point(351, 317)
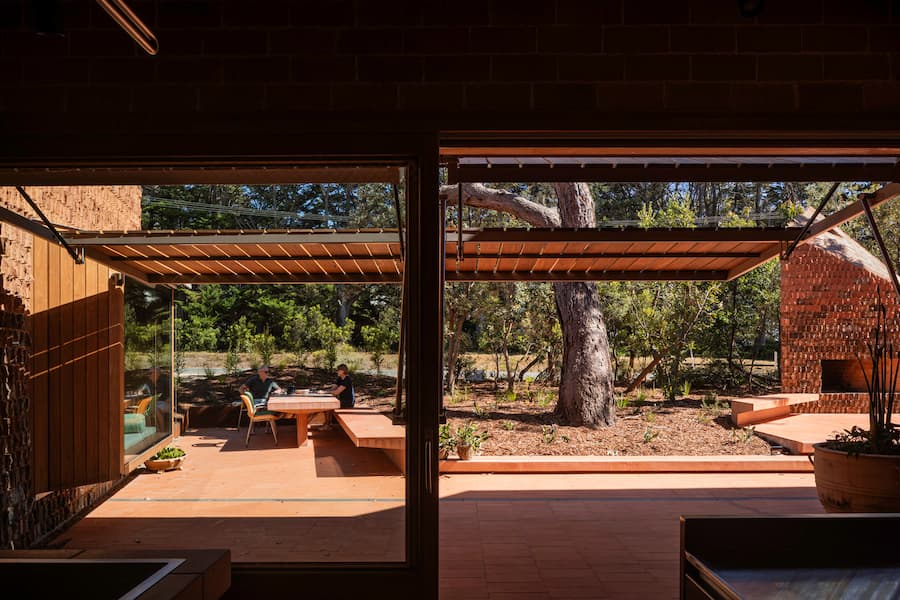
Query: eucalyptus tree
point(586, 393)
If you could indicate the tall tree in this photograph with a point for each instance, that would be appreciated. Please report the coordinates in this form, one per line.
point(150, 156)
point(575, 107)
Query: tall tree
point(586, 393)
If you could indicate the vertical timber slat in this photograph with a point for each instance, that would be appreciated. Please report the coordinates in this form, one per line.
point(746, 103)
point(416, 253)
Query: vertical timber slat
point(39, 376)
point(116, 378)
point(91, 366)
point(103, 359)
point(53, 370)
point(64, 427)
point(79, 372)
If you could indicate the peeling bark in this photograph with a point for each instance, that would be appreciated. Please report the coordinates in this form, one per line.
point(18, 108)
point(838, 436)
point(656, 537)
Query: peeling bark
point(586, 393)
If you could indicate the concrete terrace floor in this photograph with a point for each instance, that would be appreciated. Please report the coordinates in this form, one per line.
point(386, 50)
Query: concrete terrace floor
point(502, 536)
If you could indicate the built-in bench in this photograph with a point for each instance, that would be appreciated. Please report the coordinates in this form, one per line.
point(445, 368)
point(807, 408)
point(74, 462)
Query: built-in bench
point(367, 428)
point(759, 409)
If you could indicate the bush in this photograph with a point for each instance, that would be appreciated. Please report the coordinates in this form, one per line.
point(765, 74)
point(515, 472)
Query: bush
point(264, 346)
point(168, 453)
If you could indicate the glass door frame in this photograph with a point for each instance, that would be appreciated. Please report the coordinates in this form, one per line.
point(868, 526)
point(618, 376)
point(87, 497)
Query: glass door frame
point(418, 575)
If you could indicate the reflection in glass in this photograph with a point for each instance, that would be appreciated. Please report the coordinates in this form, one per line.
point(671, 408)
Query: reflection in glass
point(148, 366)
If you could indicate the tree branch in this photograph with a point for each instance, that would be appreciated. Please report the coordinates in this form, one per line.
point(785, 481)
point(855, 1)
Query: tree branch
point(480, 196)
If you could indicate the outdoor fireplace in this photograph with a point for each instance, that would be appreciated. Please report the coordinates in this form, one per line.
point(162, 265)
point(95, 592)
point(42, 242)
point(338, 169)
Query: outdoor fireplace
point(841, 376)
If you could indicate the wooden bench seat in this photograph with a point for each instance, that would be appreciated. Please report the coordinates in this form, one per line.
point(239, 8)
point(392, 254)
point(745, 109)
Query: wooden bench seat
point(367, 428)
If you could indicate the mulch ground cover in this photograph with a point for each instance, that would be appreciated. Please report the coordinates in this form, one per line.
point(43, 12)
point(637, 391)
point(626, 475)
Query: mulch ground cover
point(645, 425)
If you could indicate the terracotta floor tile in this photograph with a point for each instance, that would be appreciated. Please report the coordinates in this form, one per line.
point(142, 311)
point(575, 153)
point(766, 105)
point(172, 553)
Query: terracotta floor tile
point(502, 536)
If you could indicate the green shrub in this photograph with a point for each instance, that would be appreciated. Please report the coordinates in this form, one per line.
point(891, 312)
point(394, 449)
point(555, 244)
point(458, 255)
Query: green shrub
point(168, 453)
point(264, 346)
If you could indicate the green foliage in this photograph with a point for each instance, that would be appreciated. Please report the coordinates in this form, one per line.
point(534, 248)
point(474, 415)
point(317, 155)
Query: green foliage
point(264, 346)
point(381, 336)
point(232, 361)
point(239, 335)
point(743, 435)
point(312, 331)
point(208, 371)
point(548, 433)
point(468, 435)
point(167, 453)
point(446, 438)
point(621, 402)
point(650, 434)
point(508, 425)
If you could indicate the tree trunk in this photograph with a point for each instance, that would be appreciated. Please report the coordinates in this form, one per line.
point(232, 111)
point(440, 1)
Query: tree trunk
point(455, 323)
point(586, 390)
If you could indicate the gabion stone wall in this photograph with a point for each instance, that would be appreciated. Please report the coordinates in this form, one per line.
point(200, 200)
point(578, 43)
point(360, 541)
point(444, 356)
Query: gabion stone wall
point(829, 288)
point(15, 442)
point(26, 520)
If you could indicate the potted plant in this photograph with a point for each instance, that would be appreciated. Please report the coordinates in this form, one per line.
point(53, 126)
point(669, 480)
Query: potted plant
point(446, 441)
point(468, 441)
point(857, 470)
point(166, 459)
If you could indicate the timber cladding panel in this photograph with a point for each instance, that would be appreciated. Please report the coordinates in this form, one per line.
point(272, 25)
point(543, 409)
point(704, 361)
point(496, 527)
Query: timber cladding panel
point(829, 289)
point(74, 315)
point(77, 372)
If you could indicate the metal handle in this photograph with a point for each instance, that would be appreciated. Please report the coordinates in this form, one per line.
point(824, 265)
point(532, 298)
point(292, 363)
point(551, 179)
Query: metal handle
point(132, 24)
point(429, 459)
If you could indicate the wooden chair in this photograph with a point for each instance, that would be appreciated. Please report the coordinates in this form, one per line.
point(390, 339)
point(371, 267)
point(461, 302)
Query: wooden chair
point(256, 403)
point(258, 415)
point(141, 407)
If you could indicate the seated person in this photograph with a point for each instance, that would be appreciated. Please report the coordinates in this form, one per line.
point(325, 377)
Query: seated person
point(343, 387)
point(343, 391)
point(260, 387)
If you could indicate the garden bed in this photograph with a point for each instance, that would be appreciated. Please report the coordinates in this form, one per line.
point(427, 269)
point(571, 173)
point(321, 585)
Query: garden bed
point(646, 426)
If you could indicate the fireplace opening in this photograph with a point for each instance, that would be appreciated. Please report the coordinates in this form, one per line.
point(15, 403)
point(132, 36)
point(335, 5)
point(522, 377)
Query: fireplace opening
point(844, 375)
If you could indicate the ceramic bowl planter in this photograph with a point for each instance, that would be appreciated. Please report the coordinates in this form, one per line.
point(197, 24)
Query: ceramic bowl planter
point(165, 460)
point(468, 441)
point(848, 482)
point(465, 452)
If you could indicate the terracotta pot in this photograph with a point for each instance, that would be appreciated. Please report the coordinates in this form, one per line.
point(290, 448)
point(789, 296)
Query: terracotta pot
point(857, 482)
point(166, 464)
point(465, 452)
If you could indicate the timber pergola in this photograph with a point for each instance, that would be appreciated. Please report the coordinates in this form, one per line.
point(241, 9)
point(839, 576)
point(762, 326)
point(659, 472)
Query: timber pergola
point(374, 255)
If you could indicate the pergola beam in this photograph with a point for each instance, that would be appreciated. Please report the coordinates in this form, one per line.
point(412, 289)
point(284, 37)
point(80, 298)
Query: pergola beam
point(851, 211)
point(625, 173)
point(581, 275)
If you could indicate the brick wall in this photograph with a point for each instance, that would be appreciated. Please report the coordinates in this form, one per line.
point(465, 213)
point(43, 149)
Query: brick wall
point(80, 207)
point(585, 60)
point(828, 291)
point(25, 519)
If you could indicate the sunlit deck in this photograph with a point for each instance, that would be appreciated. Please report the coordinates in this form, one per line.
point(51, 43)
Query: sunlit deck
point(502, 536)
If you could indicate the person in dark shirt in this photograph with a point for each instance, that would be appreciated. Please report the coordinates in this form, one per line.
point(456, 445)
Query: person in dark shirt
point(260, 387)
point(343, 387)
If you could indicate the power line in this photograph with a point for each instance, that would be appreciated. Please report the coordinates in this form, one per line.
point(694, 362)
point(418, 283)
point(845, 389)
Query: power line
point(237, 210)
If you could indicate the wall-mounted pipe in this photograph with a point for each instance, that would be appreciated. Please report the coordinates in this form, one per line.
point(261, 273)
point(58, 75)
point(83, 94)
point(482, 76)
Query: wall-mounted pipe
point(132, 24)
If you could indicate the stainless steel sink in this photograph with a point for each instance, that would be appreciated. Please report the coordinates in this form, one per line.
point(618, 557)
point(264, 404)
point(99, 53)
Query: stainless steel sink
point(97, 579)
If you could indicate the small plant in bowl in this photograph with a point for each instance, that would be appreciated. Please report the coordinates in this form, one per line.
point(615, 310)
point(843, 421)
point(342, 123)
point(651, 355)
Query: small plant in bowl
point(446, 441)
point(166, 459)
point(469, 440)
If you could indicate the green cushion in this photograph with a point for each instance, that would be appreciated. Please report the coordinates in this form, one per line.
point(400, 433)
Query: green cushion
point(262, 412)
point(135, 423)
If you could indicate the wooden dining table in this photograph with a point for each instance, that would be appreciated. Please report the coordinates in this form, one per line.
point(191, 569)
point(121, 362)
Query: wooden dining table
point(301, 404)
